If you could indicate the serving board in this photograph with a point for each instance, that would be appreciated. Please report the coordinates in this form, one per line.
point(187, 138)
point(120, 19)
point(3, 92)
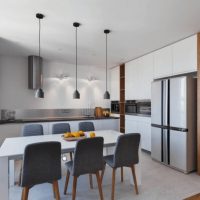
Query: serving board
point(73, 138)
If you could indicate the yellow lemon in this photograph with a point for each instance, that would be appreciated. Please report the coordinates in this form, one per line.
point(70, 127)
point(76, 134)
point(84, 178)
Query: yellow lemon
point(92, 134)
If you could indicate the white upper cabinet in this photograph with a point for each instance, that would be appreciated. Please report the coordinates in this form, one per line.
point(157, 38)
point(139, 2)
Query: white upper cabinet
point(138, 78)
point(179, 58)
point(131, 73)
point(163, 62)
point(185, 55)
point(146, 65)
point(114, 84)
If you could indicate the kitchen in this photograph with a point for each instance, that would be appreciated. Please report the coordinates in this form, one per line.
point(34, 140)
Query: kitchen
point(91, 61)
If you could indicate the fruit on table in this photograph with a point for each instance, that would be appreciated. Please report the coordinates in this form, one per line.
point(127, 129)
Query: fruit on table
point(74, 134)
point(81, 133)
point(92, 134)
point(67, 135)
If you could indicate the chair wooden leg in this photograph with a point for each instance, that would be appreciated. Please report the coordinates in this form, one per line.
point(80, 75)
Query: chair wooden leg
point(113, 185)
point(134, 179)
point(122, 174)
point(91, 181)
point(102, 172)
point(56, 190)
point(25, 193)
point(71, 156)
point(66, 182)
point(99, 185)
point(74, 188)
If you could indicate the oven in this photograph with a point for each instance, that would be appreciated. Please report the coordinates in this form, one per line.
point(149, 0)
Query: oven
point(130, 107)
point(114, 106)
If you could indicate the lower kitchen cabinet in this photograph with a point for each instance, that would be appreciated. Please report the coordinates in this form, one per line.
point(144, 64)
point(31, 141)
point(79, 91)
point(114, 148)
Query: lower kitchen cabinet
point(142, 125)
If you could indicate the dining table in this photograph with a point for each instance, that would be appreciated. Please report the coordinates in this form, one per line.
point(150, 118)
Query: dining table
point(13, 149)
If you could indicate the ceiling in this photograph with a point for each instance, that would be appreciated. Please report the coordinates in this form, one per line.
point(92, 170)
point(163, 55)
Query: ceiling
point(137, 27)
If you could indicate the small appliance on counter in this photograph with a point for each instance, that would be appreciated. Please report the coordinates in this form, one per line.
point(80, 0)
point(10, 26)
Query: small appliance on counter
point(8, 115)
point(115, 106)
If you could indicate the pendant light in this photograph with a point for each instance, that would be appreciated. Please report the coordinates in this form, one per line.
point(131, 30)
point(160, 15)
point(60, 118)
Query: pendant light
point(76, 94)
point(106, 94)
point(39, 92)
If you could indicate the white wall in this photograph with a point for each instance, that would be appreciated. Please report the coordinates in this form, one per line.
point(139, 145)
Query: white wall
point(14, 92)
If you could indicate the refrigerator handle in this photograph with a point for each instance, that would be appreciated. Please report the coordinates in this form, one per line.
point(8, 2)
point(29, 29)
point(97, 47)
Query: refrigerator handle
point(165, 102)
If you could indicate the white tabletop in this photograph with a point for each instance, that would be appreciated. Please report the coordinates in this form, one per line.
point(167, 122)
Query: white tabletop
point(14, 147)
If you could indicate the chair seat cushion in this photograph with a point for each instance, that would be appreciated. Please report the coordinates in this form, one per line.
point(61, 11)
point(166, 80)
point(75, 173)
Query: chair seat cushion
point(109, 160)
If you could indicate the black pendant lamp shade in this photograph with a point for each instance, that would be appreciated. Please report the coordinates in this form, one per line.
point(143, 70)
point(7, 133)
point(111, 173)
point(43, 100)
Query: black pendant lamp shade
point(76, 94)
point(106, 94)
point(39, 92)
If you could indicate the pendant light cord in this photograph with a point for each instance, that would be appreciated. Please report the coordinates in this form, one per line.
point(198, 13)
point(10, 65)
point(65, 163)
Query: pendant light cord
point(40, 53)
point(76, 58)
point(106, 62)
point(39, 37)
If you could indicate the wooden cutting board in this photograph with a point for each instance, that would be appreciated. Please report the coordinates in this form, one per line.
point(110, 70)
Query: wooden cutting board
point(194, 197)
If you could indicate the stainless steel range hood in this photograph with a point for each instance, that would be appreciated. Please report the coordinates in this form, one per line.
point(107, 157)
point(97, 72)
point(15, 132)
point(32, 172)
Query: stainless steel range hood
point(34, 72)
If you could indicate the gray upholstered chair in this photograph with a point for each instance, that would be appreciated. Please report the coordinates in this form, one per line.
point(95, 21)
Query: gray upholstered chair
point(41, 164)
point(59, 128)
point(32, 130)
point(125, 155)
point(88, 159)
point(86, 126)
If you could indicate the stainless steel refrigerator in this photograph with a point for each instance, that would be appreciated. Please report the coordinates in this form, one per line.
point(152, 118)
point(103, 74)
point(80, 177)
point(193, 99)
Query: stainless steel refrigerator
point(174, 121)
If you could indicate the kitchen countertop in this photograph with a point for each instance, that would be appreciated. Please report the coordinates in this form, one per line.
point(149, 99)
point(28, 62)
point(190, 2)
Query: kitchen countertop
point(52, 119)
point(138, 114)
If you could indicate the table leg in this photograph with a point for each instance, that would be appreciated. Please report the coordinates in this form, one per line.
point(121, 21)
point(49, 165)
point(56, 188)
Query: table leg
point(11, 173)
point(4, 188)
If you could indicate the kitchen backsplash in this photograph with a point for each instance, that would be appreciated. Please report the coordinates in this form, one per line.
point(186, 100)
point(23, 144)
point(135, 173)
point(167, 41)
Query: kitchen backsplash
point(45, 113)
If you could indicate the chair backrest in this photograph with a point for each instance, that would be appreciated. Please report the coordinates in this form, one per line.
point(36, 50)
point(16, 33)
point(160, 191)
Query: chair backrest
point(32, 130)
point(59, 128)
point(41, 163)
point(88, 156)
point(126, 151)
point(86, 126)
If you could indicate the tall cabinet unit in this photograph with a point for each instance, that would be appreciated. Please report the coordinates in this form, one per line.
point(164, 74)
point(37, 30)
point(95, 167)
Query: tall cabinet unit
point(114, 84)
point(122, 98)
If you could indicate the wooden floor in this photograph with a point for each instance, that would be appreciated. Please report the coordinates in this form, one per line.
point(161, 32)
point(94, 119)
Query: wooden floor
point(195, 197)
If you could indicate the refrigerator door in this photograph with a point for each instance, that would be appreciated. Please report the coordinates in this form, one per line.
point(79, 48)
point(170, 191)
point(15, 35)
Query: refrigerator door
point(178, 102)
point(156, 102)
point(165, 146)
point(156, 143)
point(178, 150)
